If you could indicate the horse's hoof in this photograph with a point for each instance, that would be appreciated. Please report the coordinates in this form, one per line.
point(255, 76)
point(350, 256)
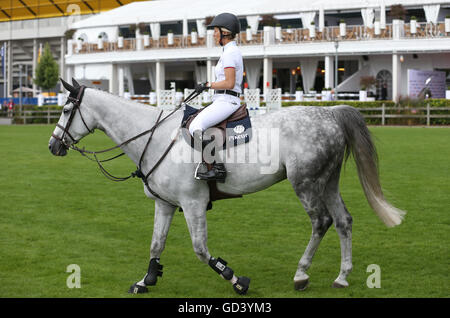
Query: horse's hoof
point(138, 289)
point(242, 284)
point(301, 284)
point(337, 284)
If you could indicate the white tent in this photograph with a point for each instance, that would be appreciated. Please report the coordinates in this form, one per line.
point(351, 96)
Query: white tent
point(178, 10)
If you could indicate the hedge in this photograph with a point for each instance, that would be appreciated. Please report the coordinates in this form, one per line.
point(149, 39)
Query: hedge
point(411, 108)
point(441, 103)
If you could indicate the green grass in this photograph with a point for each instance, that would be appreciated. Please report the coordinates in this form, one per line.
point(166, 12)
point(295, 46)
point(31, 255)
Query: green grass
point(60, 211)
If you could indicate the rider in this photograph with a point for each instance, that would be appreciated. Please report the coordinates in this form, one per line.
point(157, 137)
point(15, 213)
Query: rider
point(229, 75)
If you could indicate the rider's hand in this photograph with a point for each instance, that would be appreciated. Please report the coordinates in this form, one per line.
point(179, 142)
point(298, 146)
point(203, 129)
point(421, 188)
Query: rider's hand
point(201, 87)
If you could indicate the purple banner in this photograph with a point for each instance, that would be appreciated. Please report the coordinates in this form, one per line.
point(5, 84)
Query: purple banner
point(417, 79)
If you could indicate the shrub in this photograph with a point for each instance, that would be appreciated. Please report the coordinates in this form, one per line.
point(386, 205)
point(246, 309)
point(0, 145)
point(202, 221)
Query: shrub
point(367, 82)
point(269, 20)
point(398, 12)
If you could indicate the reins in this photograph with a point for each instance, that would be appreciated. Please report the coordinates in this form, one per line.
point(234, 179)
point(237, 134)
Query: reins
point(138, 172)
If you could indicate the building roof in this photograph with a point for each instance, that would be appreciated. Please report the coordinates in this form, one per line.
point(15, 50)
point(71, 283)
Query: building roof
point(34, 9)
point(177, 10)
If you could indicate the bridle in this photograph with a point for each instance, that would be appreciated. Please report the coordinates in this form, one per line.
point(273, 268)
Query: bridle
point(85, 153)
point(76, 102)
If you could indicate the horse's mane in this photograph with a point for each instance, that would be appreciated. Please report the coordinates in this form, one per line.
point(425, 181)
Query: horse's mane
point(121, 100)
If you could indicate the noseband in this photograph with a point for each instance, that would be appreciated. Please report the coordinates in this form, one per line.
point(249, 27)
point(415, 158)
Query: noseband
point(76, 102)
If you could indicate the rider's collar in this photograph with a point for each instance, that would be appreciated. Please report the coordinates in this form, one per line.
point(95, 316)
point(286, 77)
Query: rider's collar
point(231, 43)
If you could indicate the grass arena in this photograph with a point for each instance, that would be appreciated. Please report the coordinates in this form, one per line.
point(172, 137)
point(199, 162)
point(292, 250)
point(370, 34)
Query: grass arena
point(56, 212)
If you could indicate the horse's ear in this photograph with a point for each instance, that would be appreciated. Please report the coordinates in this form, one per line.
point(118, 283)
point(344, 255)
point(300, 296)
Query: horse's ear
point(75, 83)
point(67, 86)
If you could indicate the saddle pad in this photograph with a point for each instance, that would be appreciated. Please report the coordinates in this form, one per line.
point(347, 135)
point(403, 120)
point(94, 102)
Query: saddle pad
point(237, 132)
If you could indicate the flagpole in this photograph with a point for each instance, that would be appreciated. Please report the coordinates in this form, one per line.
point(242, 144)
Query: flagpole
point(4, 70)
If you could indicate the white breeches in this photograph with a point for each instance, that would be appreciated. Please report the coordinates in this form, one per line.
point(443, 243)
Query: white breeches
point(220, 109)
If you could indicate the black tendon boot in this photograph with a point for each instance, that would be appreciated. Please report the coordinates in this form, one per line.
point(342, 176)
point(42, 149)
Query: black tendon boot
point(217, 171)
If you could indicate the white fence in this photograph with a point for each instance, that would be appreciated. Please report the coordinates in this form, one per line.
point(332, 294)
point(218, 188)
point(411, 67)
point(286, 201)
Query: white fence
point(383, 113)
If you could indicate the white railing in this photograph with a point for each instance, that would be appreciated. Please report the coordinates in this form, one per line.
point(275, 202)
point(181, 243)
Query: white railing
point(279, 36)
point(253, 98)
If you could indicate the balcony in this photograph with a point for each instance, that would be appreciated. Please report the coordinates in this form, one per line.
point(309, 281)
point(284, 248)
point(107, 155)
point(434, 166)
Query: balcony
point(274, 36)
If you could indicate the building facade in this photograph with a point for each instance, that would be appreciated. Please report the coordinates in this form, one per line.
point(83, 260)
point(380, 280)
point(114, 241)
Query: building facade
point(293, 45)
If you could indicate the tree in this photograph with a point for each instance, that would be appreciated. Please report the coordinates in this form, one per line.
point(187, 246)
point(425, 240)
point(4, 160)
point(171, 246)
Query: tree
point(47, 70)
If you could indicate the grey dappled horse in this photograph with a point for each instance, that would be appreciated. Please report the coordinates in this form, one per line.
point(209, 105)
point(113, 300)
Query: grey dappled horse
point(311, 144)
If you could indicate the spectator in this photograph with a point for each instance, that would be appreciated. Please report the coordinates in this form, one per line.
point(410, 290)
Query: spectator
point(384, 92)
point(10, 108)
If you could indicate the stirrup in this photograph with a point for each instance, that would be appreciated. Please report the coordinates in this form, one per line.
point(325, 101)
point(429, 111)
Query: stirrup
point(217, 173)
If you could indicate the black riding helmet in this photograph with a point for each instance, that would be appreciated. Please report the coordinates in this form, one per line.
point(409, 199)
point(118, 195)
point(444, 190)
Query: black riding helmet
point(228, 21)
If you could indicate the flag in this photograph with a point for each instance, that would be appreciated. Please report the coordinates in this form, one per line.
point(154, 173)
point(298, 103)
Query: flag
point(39, 53)
point(2, 54)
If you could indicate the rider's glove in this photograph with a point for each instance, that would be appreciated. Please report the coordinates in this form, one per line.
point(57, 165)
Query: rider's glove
point(201, 87)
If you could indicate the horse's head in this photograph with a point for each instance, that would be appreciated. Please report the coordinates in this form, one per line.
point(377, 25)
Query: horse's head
point(73, 124)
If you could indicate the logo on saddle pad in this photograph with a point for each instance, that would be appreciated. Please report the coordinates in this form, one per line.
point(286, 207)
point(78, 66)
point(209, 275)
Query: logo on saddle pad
point(239, 129)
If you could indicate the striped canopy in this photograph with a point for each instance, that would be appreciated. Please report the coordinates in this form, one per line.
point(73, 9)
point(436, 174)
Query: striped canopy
point(33, 9)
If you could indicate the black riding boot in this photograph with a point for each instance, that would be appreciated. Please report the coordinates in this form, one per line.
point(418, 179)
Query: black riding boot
point(217, 171)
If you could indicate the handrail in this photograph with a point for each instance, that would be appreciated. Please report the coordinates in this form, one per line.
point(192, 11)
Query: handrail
point(283, 36)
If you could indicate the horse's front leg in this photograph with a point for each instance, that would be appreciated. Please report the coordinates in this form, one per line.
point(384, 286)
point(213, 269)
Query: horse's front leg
point(195, 214)
point(163, 218)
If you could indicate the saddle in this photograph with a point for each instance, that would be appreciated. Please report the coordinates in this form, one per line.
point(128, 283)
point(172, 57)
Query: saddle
point(235, 130)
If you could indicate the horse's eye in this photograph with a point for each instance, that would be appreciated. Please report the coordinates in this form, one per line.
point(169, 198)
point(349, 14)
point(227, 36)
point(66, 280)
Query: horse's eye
point(66, 111)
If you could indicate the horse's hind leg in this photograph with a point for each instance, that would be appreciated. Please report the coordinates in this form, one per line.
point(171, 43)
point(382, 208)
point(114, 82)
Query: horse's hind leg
point(320, 221)
point(343, 223)
point(163, 217)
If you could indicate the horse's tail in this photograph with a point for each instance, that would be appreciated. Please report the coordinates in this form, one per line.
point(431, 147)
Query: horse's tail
point(359, 143)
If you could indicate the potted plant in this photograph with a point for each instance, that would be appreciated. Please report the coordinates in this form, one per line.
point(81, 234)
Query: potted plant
point(170, 37)
point(342, 28)
point(100, 42)
point(142, 28)
point(312, 30)
point(152, 97)
point(447, 23)
point(120, 40)
point(61, 97)
point(278, 31)
point(298, 94)
point(178, 96)
point(377, 27)
point(326, 94)
point(132, 28)
point(194, 36)
point(146, 37)
point(398, 14)
point(209, 19)
point(269, 20)
point(249, 33)
point(366, 82)
point(289, 29)
point(69, 37)
point(79, 44)
point(127, 94)
point(413, 25)
point(69, 34)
